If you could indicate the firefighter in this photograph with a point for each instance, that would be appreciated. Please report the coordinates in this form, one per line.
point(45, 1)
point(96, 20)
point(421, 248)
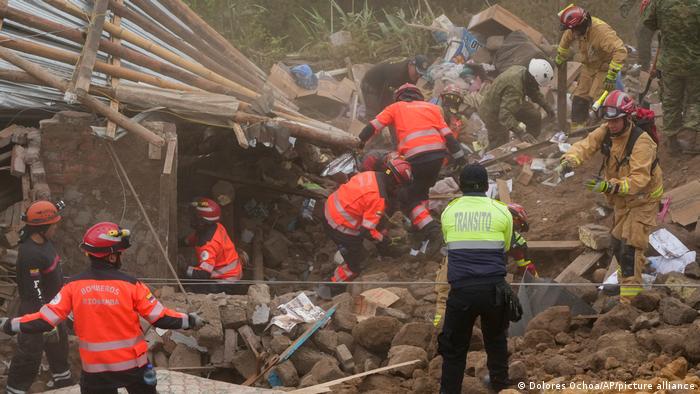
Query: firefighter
point(423, 138)
point(518, 251)
point(603, 56)
point(39, 278)
point(380, 81)
point(217, 257)
point(357, 210)
point(505, 109)
point(631, 181)
point(106, 304)
point(478, 232)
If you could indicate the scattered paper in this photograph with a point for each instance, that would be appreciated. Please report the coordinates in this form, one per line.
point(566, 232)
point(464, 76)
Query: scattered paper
point(663, 265)
point(538, 165)
point(298, 310)
point(492, 192)
point(380, 296)
point(647, 280)
point(564, 147)
point(559, 137)
point(667, 244)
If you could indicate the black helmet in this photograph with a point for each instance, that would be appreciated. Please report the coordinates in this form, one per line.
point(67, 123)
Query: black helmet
point(474, 178)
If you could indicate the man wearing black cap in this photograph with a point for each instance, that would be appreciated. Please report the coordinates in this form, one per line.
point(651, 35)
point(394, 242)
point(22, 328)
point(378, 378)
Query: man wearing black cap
point(380, 81)
point(478, 232)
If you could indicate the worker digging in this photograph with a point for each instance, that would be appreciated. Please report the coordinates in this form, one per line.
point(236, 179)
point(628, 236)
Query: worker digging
point(362, 198)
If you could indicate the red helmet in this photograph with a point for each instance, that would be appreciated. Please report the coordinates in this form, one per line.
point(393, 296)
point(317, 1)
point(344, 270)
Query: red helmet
point(519, 217)
point(410, 90)
point(572, 16)
point(42, 213)
point(400, 169)
point(207, 209)
point(617, 105)
point(105, 238)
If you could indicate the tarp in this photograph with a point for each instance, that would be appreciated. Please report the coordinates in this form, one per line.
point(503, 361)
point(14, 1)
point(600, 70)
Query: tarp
point(517, 49)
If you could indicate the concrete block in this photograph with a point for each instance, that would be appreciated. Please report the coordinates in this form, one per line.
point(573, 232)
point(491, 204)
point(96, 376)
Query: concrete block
point(233, 316)
point(244, 363)
point(217, 355)
point(595, 236)
point(275, 249)
point(347, 362)
point(184, 356)
point(160, 360)
point(230, 344)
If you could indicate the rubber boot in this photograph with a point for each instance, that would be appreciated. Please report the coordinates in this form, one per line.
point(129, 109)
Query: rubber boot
point(433, 236)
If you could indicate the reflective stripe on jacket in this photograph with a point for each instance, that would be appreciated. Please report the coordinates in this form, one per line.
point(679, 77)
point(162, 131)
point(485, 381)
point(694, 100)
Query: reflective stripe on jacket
point(218, 256)
point(420, 127)
point(359, 203)
point(106, 305)
point(478, 232)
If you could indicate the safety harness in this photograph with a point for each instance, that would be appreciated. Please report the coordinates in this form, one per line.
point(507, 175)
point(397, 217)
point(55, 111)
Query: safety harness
point(636, 132)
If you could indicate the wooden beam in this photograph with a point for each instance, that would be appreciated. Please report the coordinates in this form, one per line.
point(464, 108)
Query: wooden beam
point(319, 388)
point(553, 245)
point(83, 70)
point(580, 265)
point(240, 135)
point(114, 82)
point(503, 192)
point(88, 101)
point(170, 156)
point(71, 58)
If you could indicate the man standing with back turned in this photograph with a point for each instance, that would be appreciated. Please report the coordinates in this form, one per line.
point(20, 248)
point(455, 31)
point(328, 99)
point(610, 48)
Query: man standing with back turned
point(478, 232)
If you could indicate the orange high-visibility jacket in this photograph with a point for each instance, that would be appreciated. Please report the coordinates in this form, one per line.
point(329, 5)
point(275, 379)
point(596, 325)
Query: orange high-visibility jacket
point(218, 256)
point(360, 202)
point(420, 127)
point(106, 305)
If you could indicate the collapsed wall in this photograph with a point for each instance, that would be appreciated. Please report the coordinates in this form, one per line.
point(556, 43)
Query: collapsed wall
point(80, 170)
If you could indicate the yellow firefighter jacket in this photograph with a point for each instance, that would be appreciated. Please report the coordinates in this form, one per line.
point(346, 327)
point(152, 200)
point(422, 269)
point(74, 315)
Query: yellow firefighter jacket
point(599, 46)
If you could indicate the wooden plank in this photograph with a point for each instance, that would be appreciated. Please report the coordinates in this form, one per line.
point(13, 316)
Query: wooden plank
point(17, 166)
point(580, 265)
point(503, 192)
point(155, 152)
point(685, 203)
point(322, 387)
point(114, 82)
point(170, 156)
point(83, 70)
point(251, 340)
point(554, 245)
point(240, 135)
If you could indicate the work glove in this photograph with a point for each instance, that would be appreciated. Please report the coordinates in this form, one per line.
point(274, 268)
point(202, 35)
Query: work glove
point(564, 167)
point(195, 322)
point(611, 77)
point(609, 83)
point(562, 54)
point(437, 319)
point(530, 267)
point(5, 325)
point(601, 186)
point(522, 128)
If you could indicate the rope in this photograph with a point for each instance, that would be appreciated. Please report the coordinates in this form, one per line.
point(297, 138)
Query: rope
point(148, 220)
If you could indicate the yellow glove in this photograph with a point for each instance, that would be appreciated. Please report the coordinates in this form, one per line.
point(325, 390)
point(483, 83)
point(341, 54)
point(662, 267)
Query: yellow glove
point(562, 55)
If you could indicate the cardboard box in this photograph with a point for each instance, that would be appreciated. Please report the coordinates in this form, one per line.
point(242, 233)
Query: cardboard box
point(497, 21)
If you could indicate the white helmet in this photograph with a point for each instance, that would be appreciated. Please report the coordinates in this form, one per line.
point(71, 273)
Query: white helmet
point(542, 71)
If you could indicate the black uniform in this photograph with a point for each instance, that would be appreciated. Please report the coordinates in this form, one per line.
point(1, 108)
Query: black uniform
point(39, 278)
point(379, 84)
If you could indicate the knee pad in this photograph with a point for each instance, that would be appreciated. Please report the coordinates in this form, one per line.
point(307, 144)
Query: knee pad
point(579, 109)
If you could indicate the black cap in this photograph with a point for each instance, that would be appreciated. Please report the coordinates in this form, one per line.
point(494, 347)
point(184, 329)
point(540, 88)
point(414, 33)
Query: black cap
point(474, 178)
point(421, 62)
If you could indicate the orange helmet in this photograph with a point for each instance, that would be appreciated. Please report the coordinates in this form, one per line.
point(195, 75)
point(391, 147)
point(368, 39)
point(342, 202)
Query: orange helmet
point(105, 238)
point(42, 212)
point(207, 209)
point(519, 217)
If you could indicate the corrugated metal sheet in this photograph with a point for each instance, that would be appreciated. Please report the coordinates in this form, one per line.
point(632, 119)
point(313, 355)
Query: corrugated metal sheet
point(22, 96)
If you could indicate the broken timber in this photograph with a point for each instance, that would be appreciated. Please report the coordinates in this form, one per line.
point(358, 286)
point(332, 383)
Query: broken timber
point(580, 265)
point(553, 245)
point(83, 70)
point(90, 102)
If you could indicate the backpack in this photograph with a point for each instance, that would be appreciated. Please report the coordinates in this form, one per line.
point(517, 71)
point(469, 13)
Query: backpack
point(644, 122)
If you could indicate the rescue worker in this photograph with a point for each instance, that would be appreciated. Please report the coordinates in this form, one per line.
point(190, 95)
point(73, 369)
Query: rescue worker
point(603, 54)
point(678, 21)
point(631, 181)
point(106, 304)
point(356, 211)
point(217, 257)
point(380, 81)
point(518, 251)
point(505, 109)
point(423, 138)
point(478, 232)
point(451, 101)
point(39, 278)
point(644, 35)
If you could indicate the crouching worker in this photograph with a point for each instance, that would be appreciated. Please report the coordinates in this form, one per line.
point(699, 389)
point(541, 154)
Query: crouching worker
point(356, 211)
point(217, 257)
point(106, 304)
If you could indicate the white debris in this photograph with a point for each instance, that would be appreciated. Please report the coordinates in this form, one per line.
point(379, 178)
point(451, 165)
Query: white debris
point(298, 310)
point(667, 244)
